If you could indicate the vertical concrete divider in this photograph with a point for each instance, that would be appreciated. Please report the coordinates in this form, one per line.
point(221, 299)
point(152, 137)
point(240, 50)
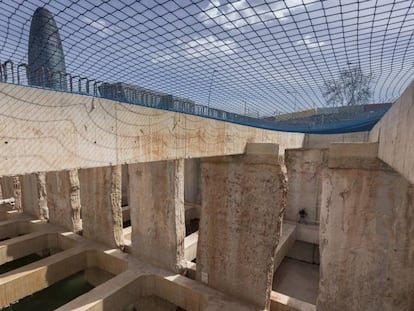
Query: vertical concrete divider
point(100, 190)
point(11, 188)
point(242, 199)
point(366, 235)
point(34, 195)
point(63, 199)
point(42, 195)
point(157, 213)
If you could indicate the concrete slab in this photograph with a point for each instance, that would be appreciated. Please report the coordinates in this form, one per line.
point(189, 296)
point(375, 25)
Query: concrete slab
point(190, 246)
point(297, 279)
point(281, 302)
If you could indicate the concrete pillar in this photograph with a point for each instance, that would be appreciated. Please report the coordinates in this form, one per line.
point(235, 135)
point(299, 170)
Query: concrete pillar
point(367, 230)
point(63, 199)
point(34, 201)
point(242, 199)
point(42, 195)
point(11, 188)
point(100, 190)
point(157, 213)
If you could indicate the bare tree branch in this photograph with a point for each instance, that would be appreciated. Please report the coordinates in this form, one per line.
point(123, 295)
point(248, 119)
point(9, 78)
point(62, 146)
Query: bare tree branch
point(353, 87)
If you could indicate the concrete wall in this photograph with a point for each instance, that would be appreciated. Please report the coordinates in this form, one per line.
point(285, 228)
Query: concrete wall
point(192, 181)
point(304, 169)
point(100, 194)
point(395, 134)
point(63, 199)
point(324, 140)
point(242, 199)
point(157, 213)
point(51, 131)
point(366, 237)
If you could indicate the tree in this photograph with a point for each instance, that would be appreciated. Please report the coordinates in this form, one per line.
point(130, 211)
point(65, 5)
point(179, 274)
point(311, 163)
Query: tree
point(352, 88)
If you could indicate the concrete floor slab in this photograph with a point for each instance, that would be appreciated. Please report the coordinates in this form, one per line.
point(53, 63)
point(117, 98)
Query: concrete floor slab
point(297, 279)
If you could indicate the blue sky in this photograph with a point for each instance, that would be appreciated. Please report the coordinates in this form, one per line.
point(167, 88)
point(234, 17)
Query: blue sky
point(268, 56)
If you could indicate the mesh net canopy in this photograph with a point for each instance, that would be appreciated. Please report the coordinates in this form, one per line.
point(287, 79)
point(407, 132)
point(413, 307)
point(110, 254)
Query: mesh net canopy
point(285, 65)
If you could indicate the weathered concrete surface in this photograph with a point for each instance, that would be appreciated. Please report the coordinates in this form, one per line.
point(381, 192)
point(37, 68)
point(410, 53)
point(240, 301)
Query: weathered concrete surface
point(21, 246)
point(190, 246)
point(31, 278)
point(307, 233)
point(395, 134)
point(280, 302)
point(124, 185)
point(131, 279)
point(238, 235)
point(50, 131)
point(367, 245)
point(154, 303)
point(192, 181)
point(304, 169)
point(323, 141)
point(41, 195)
point(11, 187)
point(286, 241)
point(34, 195)
point(297, 279)
point(100, 190)
point(157, 213)
point(63, 199)
point(304, 251)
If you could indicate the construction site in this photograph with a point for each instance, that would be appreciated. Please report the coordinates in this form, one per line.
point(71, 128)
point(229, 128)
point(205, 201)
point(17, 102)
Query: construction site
point(122, 196)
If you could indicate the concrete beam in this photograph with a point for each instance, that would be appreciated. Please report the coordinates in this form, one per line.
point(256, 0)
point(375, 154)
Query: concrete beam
point(280, 302)
point(31, 278)
point(242, 199)
point(322, 141)
point(25, 245)
point(355, 155)
point(12, 228)
point(53, 131)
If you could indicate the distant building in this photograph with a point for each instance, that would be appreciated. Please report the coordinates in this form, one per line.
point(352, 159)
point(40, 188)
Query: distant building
point(46, 58)
point(141, 96)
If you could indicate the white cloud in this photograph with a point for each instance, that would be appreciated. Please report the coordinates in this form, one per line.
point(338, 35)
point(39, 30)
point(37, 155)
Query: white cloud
point(210, 45)
point(104, 28)
point(241, 13)
point(201, 47)
point(310, 43)
point(164, 58)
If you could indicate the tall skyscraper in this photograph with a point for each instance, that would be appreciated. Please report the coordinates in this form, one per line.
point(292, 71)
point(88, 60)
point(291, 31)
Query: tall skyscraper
point(46, 58)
